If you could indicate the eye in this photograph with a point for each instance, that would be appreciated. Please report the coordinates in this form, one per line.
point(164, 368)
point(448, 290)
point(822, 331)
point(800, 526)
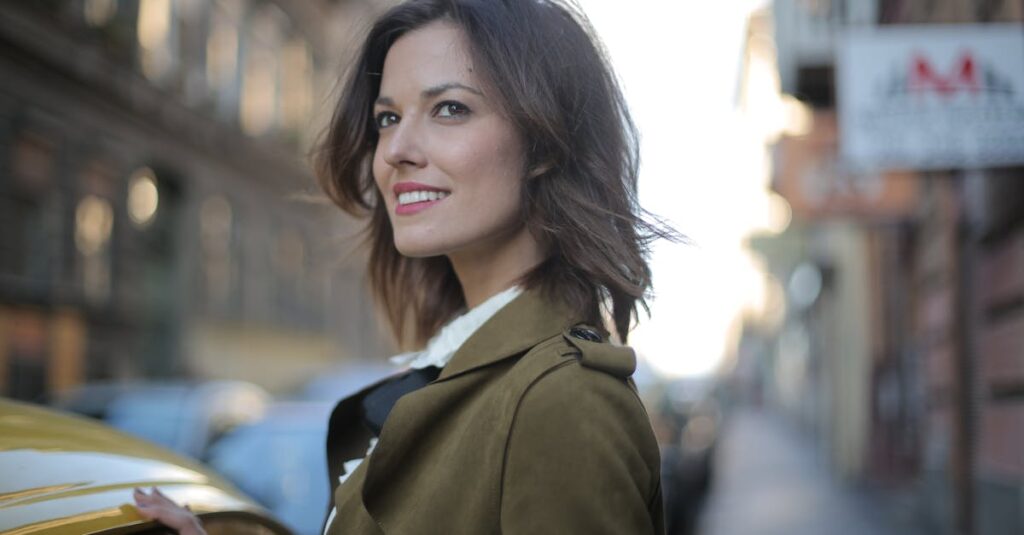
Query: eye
point(385, 119)
point(451, 109)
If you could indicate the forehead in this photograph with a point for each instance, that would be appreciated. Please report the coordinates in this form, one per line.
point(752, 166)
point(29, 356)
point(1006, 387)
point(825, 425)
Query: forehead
point(426, 57)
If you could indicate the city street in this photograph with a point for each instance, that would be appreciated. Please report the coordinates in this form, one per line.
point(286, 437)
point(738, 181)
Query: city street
point(218, 219)
point(772, 480)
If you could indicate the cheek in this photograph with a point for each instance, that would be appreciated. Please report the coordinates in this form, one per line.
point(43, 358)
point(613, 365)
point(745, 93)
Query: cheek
point(496, 195)
point(496, 160)
point(506, 170)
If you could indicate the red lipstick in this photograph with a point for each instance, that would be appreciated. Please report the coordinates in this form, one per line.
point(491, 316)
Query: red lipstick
point(404, 187)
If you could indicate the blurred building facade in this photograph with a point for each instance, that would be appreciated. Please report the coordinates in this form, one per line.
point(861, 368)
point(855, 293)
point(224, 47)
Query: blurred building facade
point(900, 339)
point(159, 216)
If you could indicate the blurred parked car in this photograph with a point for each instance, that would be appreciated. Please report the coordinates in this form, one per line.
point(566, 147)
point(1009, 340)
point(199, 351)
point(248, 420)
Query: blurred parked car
point(64, 474)
point(345, 380)
point(186, 417)
point(288, 442)
point(287, 446)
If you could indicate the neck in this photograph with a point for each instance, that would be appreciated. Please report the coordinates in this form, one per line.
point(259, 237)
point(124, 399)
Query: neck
point(486, 271)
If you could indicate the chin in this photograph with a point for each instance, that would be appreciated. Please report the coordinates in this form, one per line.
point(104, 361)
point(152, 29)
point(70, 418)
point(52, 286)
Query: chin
point(418, 253)
point(418, 248)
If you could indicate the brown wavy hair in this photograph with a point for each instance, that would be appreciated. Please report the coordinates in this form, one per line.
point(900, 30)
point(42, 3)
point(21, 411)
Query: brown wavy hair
point(552, 80)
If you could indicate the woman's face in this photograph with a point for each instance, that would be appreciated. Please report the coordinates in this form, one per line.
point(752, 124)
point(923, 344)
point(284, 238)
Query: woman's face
point(448, 164)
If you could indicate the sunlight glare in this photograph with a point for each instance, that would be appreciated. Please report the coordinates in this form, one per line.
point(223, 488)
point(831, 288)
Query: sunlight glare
point(704, 169)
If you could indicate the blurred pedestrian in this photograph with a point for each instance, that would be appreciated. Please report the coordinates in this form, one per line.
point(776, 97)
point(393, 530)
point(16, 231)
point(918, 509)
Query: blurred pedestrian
point(488, 145)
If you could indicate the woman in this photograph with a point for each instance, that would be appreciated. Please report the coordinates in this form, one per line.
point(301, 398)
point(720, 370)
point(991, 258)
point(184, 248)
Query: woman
point(488, 143)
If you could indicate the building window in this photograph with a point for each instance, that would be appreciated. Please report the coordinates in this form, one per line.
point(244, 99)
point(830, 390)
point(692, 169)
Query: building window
point(94, 223)
point(296, 85)
point(143, 197)
point(222, 51)
point(288, 257)
point(157, 38)
point(261, 71)
point(31, 213)
point(216, 219)
point(99, 13)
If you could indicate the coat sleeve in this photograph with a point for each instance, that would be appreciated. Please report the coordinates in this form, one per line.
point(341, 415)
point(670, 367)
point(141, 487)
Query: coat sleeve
point(581, 459)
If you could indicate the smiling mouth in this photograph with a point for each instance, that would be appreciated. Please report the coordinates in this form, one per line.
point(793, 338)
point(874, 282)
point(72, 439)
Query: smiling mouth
point(420, 196)
point(415, 201)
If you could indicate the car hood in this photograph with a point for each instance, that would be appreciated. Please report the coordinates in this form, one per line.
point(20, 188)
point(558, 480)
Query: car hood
point(66, 474)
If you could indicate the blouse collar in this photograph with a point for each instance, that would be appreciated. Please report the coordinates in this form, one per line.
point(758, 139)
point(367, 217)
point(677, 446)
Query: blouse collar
point(446, 342)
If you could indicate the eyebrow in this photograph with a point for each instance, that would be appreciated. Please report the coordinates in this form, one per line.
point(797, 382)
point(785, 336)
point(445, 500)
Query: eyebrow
point(432, 92)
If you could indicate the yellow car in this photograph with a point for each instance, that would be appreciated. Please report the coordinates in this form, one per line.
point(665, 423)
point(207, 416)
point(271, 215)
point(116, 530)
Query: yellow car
point(62, 474)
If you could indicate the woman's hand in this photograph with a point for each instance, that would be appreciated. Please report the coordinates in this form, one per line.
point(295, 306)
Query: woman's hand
point(157, 506)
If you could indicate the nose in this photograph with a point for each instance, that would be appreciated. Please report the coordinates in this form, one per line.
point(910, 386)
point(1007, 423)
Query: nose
point(400, 145)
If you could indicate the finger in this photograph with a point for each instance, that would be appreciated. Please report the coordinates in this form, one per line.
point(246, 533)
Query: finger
point(151, 507)
point(161, 497)
point(151, 499)
point(141, 496)
point(157, 506)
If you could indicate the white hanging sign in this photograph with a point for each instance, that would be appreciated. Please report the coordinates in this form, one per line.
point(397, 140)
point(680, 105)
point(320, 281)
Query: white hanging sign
point(931, 97)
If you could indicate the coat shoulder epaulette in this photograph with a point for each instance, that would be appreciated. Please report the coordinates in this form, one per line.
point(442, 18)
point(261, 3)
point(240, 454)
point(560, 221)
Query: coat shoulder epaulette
point(595, 352)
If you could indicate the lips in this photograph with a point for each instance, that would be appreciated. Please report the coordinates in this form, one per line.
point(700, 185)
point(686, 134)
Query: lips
point(413, 197)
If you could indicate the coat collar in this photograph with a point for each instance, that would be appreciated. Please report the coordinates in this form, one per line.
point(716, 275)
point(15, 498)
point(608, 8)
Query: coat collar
point(518, 326)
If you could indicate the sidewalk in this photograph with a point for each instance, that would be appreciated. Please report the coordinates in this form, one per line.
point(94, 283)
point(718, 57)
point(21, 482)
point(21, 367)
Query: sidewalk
point(770, 480)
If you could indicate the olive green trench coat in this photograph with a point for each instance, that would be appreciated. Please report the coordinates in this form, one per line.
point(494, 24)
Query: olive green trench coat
point(530, 428)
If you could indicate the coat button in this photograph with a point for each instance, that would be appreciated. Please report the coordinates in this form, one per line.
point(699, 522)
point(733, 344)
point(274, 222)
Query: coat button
point(585, 333)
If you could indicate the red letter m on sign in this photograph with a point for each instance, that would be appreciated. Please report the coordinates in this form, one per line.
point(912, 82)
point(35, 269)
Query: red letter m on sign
point(964, 76)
